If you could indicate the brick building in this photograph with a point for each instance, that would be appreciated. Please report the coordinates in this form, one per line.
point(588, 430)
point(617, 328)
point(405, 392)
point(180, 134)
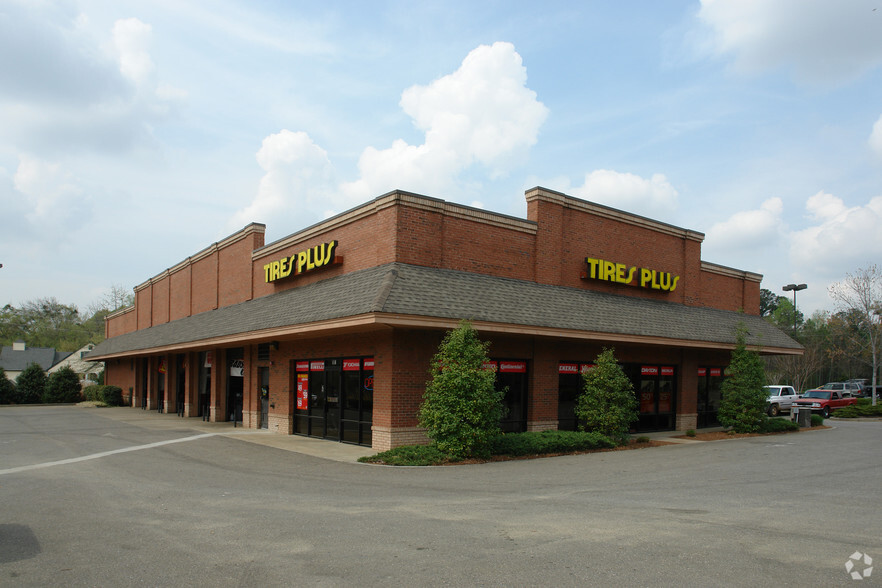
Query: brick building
point(329, 332)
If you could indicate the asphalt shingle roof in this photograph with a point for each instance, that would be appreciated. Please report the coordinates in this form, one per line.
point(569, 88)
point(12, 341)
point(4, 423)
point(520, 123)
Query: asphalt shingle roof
point(17, 361)
point(403, 289)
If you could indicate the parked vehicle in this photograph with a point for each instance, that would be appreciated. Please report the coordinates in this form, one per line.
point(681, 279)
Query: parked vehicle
point(780, 399)
point(825, 400)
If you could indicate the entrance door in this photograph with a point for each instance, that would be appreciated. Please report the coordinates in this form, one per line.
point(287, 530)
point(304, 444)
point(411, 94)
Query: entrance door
point(263, 375)
point(181, 387)
point(333, 372)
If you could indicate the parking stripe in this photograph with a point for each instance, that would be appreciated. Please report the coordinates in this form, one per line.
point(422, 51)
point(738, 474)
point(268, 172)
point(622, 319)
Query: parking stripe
point(102, 454)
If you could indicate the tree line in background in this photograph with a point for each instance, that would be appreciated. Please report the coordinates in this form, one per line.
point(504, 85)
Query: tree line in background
point(839, 345)
point(46, 322)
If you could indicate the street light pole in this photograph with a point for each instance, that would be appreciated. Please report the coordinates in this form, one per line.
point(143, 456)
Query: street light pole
point(795, 288)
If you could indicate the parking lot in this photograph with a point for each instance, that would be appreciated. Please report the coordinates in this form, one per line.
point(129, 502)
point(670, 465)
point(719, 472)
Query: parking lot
point(122, 497)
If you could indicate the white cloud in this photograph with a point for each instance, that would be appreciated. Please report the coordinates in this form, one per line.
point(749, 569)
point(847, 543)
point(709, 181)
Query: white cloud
point(482, 113)
point(843, 238)
point(297, 186)
point(823, 41)
point(748, 230)
point(654, 196)
point(875, 140)
point(131, 39)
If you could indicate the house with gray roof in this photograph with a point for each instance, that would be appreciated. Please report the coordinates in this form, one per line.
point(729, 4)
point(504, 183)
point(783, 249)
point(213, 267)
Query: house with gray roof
point(15, 358)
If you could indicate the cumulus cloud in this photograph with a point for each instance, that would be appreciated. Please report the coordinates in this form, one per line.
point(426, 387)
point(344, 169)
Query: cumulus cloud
point(875, 140)
point(481, 114)
point(749, 229)
point(823, 41)
point(63, 90)
point(297, 184)
point(654, 196)
point(843, 237)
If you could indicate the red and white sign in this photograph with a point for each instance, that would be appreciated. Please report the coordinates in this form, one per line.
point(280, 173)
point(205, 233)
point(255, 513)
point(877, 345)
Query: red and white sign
point(490, 366)
point(715, 372)
point(207, 359)
point(302, 391)
point(702, 371)
point(667, 371)
point(587, 367)
point(351, 365)
point(648, 370)
point(317, 366)
point(513, 367)
point(302, 366)
point(368, 363)
point(568, 368)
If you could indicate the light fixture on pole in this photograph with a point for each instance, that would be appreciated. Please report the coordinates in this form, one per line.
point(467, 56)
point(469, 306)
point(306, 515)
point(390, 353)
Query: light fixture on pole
point(795, 288)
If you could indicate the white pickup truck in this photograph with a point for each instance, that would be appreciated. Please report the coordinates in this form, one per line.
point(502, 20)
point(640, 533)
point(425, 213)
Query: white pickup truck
point(780, 399)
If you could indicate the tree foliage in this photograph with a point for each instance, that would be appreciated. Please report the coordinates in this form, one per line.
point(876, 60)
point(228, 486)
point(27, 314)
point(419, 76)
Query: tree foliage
point(607, 404)
point(63, 386)
point(743, 403)
point(768, 302)
point(7, 388)
point(461, 408)
point(30, 385)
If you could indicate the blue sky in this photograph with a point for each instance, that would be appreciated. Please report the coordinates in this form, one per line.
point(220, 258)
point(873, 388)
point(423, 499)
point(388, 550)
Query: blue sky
point(134, 134)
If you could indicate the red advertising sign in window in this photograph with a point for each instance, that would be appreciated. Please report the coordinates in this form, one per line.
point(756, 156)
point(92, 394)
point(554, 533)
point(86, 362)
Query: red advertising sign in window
point(568, 368)
point(490, 366)
point(368, 363)
point(667, 371)
point(587, 367)
point(648, 370)
point(351, 365)
point(513, 367)
point(664, 400)
point(647, 398)
point(302, 366)
point(702, 371)
point(317, 366)
point(302, 391)
point(208, 357)
point(715, 372)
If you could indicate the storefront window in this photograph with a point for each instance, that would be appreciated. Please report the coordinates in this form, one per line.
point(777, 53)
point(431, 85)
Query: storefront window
point(334, 398)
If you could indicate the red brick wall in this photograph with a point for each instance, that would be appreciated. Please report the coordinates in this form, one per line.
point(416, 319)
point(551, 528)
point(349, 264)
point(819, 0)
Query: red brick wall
point(234, 273)
point(161, 300)
point(203, 289)
point(121, 324)
point(179, 303)
point(144, 307)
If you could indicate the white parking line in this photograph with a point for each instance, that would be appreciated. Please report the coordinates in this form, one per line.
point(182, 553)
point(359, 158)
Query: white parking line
point(102, 454)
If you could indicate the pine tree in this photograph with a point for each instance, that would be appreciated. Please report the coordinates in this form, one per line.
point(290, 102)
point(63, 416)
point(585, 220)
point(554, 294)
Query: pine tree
point(743, 406)
point(607, 404)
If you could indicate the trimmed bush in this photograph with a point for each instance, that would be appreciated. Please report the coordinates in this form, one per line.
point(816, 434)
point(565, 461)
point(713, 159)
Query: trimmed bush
point(817, 420)
point(30, 385)
point(537, 443)
point(779, 425)
point(607, 404)
point(409, 455)
point(7, 388)
point(92, 393)
point(62, 386)
point(111, 395)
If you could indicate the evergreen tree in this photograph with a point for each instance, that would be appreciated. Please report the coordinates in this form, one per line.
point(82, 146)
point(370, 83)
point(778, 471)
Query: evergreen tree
point(63, 386)
point(607, 404)
point(461, 407)
point(743, 405)
point(7, 388)
point(30, 385)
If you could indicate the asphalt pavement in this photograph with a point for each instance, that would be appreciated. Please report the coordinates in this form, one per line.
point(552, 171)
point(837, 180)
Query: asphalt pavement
point(117, 497)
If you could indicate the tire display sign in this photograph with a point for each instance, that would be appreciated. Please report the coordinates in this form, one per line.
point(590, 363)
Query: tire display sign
point(302, 391)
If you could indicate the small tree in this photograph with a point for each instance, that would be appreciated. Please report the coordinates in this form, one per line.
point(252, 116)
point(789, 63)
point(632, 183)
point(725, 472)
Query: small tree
point(30, 385)
point(63, 386)
point(607, 404)
point(7, 388)
point(743, 406)
point(461, 408)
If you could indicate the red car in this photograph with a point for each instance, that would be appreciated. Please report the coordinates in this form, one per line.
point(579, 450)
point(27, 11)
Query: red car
point(824, 400)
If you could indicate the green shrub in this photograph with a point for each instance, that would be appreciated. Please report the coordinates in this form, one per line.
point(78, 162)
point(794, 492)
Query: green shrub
point(861, 409)
point(30, 385)
point(111, 395)
point(542, 442)
point(92, 393)
point(778, 425)
point(643, 440)
point(817, 420)
point(607, 404)
point(7, 388)
point(409, 455)
point(62, 386)
point(690, 433)
point(461, 408)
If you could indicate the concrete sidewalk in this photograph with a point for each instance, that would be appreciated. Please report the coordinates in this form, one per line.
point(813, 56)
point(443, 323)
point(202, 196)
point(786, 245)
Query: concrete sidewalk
point(322, 448)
